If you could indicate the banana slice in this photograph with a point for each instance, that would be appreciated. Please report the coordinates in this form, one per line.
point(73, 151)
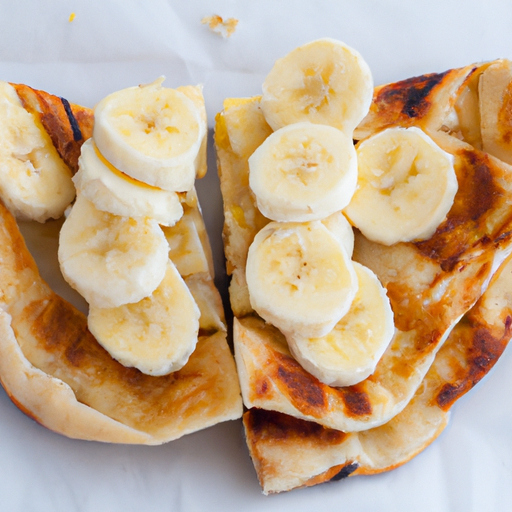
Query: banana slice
point(406, 186)
point(303, 172)
point(111, 260)
point(114, 192)
point(341, 228)
point(350, 352)
point(157, 334)
point(300, 278)
point(495, 105)
point(35, 183)
point(324, 82)
point(153, 134)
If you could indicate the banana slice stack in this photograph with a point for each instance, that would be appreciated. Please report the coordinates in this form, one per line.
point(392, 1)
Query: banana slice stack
point(335, 314)
point(395, 186)
point(134, 176)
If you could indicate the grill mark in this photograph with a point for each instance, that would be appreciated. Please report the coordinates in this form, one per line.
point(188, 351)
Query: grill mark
point(412, 94)
point(345, 471)
point(482, 353)
point(356, 401)
point(306, 393)
point(273, 425)
point(77, 133)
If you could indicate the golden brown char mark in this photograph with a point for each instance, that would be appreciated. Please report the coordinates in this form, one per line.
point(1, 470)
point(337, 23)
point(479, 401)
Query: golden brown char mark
point(408, 98)
point(67, 124)
point(467, 222)
point(482, 349)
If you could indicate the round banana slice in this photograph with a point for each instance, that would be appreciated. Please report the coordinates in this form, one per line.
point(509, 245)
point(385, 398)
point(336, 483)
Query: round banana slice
point(112, 191)
point(151, 133)
point(324, 82)
point(406, 186)
point(350, 352)
point(111, 260)
point(300, 278)
point(157, 334)
point(303, 172)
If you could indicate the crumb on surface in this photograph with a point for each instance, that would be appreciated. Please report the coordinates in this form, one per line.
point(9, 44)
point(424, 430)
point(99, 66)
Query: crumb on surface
point(224, 28)
point(71, 17)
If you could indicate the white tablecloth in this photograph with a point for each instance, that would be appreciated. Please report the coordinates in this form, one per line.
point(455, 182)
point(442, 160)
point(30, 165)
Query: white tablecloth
point(114, 44)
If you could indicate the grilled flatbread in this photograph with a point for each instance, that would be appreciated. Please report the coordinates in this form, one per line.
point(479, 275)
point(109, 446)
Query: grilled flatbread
point(289, 453)
point(431, 285)
point(56, 372)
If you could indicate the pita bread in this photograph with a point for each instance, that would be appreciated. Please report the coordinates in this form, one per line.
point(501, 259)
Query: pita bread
point(431, 285)
point(289, 453)
point(55, 371)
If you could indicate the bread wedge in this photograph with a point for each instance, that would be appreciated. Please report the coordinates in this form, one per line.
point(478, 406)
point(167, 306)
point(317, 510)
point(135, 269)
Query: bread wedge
point(431, 284)
point(55, 371)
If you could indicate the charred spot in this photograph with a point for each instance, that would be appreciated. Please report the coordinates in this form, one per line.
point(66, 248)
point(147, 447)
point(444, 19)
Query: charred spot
point(261, 386)
point(356, 401)
point(449, 393)
point(412, 93)
point(305, 392)
point(345, 471)
point(77, 134)
point(276, 425)
point(206, 332)
point(482, 354)
point(464, 226)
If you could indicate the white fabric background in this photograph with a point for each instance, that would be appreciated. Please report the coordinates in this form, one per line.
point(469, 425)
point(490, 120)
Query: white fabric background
point(113, 44)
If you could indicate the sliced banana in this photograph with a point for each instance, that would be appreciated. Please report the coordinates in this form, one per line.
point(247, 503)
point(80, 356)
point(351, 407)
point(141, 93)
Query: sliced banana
point(111, 260)
point(153, 134)
point(157, 334)
point(114, 192)
point(303, 172)
point(341, 228)
point(300, 278)
point(495, 102)
point(324, 82)
point(406, 186)
point(35, 183)
point(350, 352)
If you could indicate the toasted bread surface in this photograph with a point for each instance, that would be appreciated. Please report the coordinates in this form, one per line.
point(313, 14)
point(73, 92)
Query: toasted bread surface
point(433, 286)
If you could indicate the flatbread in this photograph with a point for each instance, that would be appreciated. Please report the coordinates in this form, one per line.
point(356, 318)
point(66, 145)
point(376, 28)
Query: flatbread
point(289, 453)
point(431, 285)
point(56, 372)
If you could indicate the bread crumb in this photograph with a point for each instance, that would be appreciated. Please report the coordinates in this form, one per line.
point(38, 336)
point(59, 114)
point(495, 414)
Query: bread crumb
point(225, 28)
point(71, 17)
